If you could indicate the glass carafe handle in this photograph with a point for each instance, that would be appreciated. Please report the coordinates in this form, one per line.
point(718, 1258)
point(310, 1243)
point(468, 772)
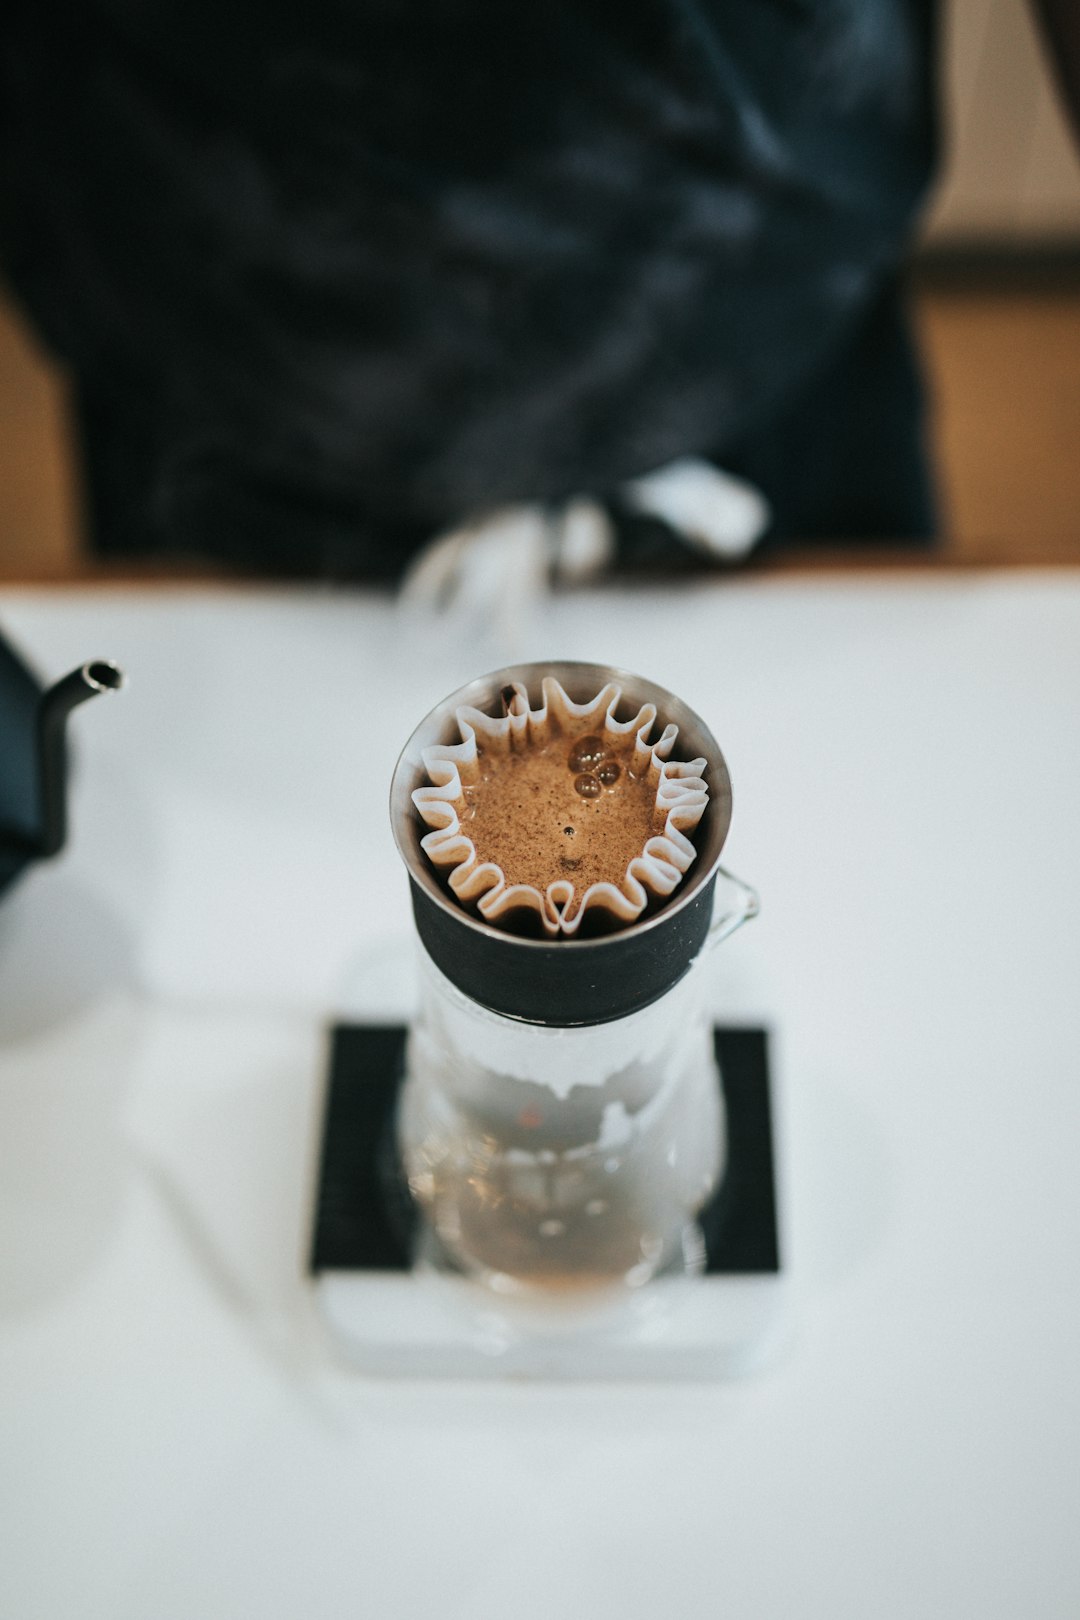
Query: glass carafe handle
point(735, 903)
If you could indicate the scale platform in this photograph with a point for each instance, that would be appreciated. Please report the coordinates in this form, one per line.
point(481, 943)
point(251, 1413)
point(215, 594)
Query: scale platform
point(394, 1306)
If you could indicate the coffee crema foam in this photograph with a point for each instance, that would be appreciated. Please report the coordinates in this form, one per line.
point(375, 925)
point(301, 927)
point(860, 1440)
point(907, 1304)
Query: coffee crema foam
point(561, 809)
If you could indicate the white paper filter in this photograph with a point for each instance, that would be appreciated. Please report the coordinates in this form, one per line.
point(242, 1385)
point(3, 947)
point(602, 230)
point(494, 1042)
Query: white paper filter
point(680, 791)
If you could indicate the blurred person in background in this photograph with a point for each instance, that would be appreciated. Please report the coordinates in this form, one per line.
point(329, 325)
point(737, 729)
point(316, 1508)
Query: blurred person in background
point(334, 279)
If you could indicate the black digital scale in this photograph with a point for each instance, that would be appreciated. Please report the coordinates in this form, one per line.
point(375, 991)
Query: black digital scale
point(394, 1306)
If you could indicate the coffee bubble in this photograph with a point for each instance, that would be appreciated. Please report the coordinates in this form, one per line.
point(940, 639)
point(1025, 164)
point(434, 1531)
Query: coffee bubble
point(587, 786)
point(586, 754)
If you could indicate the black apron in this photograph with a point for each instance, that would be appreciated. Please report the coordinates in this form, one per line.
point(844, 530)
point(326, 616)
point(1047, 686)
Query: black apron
point(332, 277)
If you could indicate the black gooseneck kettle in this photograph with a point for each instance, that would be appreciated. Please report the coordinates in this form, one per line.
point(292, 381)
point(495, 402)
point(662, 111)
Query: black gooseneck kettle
point(33, 756)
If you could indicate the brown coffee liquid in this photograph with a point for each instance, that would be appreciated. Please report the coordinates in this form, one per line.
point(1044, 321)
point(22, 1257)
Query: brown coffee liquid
point(568, 809)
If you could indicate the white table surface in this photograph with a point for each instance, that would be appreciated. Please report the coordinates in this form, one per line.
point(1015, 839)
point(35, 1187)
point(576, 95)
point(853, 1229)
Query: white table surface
point(176, 1443)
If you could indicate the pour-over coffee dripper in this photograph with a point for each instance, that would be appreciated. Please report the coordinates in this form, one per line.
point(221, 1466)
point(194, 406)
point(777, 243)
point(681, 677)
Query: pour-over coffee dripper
point(560, 1123)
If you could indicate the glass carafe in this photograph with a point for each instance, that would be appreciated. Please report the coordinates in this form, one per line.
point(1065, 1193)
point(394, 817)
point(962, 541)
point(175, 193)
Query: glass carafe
point(561, 1122)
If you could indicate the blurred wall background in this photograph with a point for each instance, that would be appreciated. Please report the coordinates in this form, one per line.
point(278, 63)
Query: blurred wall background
point(997, 289)
point(1012, 176)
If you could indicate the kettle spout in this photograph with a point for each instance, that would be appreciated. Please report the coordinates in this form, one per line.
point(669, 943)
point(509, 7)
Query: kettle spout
point(90, 680)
